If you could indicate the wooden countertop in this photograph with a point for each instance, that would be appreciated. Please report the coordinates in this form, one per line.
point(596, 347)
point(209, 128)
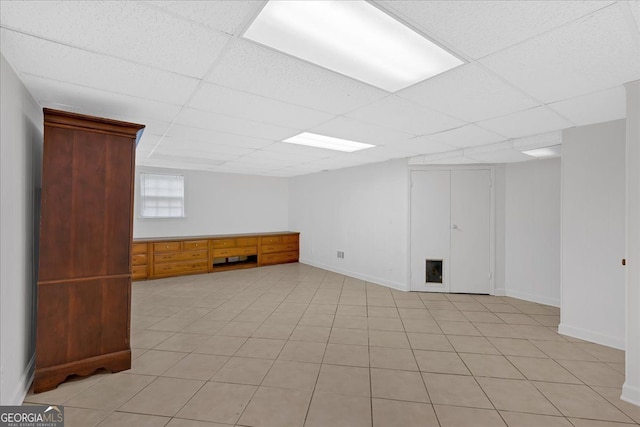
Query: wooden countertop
point(213, 236)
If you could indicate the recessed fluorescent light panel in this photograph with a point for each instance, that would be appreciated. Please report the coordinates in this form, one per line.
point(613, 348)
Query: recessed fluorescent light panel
point(544, 152)
point(327, 142)
point(353, 38)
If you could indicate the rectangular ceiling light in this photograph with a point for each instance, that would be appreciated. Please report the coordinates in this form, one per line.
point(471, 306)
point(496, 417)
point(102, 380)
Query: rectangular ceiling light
point(353, 38)
point(544, 152)
point(327, 142)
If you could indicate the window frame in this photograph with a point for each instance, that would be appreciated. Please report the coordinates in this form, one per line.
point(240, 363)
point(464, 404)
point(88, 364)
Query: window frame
point(144, 197)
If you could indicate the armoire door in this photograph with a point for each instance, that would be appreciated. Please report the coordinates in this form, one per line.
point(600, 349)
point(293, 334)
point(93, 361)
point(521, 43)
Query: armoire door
point(451, 231)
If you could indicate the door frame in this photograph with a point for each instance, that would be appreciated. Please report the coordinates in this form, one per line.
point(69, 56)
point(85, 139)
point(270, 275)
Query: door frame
point(492, 216)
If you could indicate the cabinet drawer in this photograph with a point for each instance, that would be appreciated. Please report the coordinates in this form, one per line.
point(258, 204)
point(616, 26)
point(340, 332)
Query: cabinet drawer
point(247, 241)
point(292, 238)
point(279, 248)
point(139, 259)
point(167, 246)
point(139, 248)
point(139, 272)
point(181, 267)
point(194, 244)
point(224, 243)
point(271, 239)
point(180, 256)
point(223, 253)
point(279, 257)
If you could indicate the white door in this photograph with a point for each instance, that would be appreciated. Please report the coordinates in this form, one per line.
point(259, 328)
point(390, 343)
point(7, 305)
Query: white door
point(430, 222)
point(470, 231)
point(451, 221)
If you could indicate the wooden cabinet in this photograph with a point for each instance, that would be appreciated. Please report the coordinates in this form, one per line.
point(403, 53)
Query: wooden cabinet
point(233, 253)
point(85, 255)
point(180, 256)
point(177, 258)
point(139, 261)
point(279, 249)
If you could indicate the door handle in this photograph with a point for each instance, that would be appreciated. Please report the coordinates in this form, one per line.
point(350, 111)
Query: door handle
point(454, 227)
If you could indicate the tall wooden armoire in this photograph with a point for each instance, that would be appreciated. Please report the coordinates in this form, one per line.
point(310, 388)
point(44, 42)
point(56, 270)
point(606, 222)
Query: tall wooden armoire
point(84, 278)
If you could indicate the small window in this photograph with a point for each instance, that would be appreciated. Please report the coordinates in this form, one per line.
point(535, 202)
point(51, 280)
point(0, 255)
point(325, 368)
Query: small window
point(162, 196)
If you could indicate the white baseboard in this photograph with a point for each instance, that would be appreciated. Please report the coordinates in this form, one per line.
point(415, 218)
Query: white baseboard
point(500, 292)
point(630, 394)
point(587, 335)
point(533, 297)
point(378, 281)
point(22, 388)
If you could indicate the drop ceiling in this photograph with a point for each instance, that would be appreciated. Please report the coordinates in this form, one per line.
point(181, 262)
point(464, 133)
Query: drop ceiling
point(212, 100)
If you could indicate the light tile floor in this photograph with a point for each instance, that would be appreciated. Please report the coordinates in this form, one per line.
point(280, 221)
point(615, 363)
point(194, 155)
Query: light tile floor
point(293, 345)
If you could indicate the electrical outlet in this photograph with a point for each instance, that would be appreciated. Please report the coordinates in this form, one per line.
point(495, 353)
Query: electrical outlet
point(340, 254)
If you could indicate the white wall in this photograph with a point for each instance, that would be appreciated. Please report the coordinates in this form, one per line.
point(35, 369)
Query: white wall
point(631, 387)
point(593, 239)
point(532, 231)
point(362, 211)
point(20, 163)
point(218, 203)
point(499, 268)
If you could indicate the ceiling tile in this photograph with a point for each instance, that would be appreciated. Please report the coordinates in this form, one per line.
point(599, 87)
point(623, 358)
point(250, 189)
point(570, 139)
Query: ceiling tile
point(206, 159)
point(226, 16)
point(539, 52)
point(244, 168)
point(336, 162)
point(146, 145)
point(469, 93)
point(458, 160)
point(99, 102)
point(299, 150)
point(206, 136)
point(354, 130)
point(268, 156)
point(634, 5)
point(595, 107)
point(541, 140)
point(594, 53)
point(401, 114)
point(128, 30)
point(175, 163)
point(211, 147)
point(466, 136)
point(279, 157)
point(248, 162)
point(222, 123)
point(256, 69)
point(295, 171)
point(478, 28)
point(235, 103)
point(430, 158)
point(501, 156)
point(192, 156)
point(421, 145)
point(31, 55)
point(529, 122)
point(148, 140)
point(379, 154)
